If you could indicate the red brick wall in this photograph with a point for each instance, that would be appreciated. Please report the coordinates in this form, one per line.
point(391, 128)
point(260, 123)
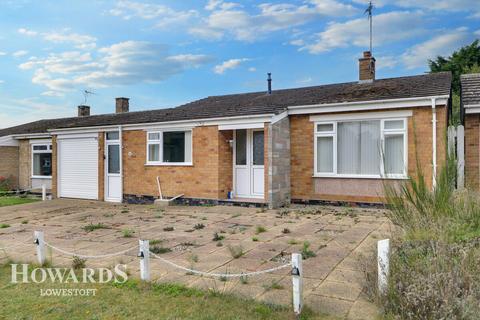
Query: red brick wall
point(419, 151)
point(472, 150)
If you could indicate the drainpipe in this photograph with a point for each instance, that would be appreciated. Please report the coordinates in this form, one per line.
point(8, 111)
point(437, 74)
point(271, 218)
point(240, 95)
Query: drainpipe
point(434, 143)
point(120, 139)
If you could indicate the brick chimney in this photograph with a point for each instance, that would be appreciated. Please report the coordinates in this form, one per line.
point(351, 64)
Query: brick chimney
point(83, 111)
point(366, 67)
point(121, 105)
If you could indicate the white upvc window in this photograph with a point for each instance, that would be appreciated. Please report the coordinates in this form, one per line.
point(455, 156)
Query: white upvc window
point(366, 148)
point(169, 147)
point(41, 160)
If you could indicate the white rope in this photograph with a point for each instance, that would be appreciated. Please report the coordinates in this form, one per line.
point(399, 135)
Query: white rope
point(16, 191)
point(221, 275)
point(89, 257)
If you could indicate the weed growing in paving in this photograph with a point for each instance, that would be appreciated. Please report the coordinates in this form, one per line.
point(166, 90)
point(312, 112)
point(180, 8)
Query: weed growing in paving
point(236, 251)
point(92, 227)
point(168, 229)
point(24, 221)
point(244, 279)
point(306, 252)
point(199, 226)
point(4, 225)
point(219, 244)
point(254, 239)
point(159, 249)
point(260, 229)
point(273, 286)
point(285, 231)
point(127, 233)
point(217, 237)
point(78, 263)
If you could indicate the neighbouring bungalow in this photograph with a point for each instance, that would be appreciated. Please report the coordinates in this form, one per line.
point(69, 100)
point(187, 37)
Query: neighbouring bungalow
point(470, 110)
point(337, 142)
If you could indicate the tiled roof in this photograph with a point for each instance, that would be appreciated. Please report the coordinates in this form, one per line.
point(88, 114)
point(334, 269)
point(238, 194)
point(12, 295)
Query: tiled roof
point(470, 84)
point(257, 103)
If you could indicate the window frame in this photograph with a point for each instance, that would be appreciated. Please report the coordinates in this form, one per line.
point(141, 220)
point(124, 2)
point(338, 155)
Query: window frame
point(159, 142)
point(33, 152)
point(383, 133)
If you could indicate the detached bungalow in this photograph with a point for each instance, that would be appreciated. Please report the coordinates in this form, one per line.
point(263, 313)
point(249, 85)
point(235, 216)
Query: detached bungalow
point(337, 142)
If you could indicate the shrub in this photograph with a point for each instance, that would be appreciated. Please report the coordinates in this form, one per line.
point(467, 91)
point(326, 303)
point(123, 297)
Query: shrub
point(92, 227)
point(168, 229)
point(127, 233)
point(434, 270)
point(199, 226)
point(260, 229)
point(217, 237)
point(159, 249)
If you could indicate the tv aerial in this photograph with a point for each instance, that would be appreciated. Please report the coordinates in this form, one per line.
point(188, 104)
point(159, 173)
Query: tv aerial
point(87, 93)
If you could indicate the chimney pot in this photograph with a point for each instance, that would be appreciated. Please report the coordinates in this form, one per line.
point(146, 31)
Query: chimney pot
point(366, 67)
point(121, 105)
point(83, 111)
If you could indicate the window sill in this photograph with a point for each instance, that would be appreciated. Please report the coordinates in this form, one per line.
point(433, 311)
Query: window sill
point(351, 176)
point(169, 164)
point(41, 177)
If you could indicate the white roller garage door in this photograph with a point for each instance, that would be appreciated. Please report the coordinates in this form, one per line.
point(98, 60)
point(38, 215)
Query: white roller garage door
point(78, 167)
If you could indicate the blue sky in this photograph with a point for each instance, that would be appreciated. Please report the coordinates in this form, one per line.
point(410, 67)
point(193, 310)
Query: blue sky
point(165, 53)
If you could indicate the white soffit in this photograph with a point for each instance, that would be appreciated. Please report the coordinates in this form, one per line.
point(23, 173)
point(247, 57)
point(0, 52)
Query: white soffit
point(361, 116)
point(8, 141)
point(472, 108)
point(255, 125)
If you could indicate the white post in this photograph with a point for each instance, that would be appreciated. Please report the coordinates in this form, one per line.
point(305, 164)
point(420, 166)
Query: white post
point(297, 281)
point(144, 254)
point(44, 192)
point(38, 240)
point(383, 255)
point(460, 157)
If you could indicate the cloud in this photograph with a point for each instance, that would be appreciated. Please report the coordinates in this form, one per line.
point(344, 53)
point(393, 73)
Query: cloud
point(387, 62)
point(20, 53)
point(252, 69)
point(27, 32)
point(80, 41)
point(388, 27)
point(477, 33)
point(440, 45)
point(228, 65)
point(124, 63)
point(2, 53)
point(230, 19)
point(163, 15)
point(2, 81)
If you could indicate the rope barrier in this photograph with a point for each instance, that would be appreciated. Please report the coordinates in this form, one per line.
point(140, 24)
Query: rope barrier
point(89, 257)
point(220, 275)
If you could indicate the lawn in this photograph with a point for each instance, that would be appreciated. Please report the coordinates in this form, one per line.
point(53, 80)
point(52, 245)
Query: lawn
point(12, 200)
point(132, 300)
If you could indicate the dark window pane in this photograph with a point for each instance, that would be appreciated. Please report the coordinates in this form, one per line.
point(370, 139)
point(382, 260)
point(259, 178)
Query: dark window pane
point(241, 147)
point(40, 147)
point(113, 135)
point(258, 141)
point(42, 164)
point(114, 158)
point(174, 147)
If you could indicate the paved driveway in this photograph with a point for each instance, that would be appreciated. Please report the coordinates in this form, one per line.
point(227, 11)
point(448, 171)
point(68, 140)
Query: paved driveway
point(333, 278)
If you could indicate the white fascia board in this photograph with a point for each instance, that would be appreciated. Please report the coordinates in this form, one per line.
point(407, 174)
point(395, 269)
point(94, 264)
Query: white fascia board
point(472, 108)
point(368, 105)
point(279, 117)
point(253, 125)
point(8, 141)
point(82, 135)
point(32, 136)
point(40, 141)
point(362, 116)
point(170, 124)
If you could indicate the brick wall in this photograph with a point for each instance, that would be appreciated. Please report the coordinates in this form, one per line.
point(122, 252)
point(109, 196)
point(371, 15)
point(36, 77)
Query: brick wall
point(9, 164)
point(25, 167)
point(278, 169)
point(472, 150)
point(419, 152)
point(201, 180)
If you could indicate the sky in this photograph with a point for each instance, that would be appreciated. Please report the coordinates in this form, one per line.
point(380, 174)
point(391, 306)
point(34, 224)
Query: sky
point(164, 53)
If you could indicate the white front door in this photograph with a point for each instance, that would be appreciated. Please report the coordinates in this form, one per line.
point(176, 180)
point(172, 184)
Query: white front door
point(113, 176)
point(249, 163)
